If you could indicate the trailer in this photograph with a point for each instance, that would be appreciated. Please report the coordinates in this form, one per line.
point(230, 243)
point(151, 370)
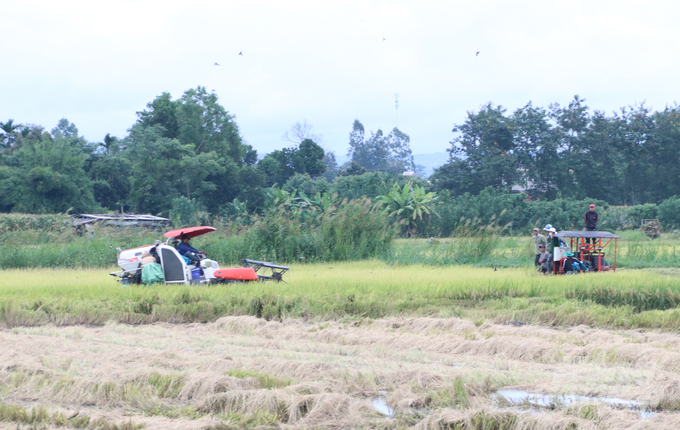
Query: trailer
point(651, 227)
point(590, 248)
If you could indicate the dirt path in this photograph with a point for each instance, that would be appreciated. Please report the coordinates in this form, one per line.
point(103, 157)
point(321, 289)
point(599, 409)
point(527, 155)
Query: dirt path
point(422, 372)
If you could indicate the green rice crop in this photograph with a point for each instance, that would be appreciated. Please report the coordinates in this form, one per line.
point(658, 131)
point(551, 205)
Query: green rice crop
point(356, 290)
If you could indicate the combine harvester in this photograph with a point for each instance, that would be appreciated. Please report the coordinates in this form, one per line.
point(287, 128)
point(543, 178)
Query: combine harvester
point(590, 249)
point(176, 270)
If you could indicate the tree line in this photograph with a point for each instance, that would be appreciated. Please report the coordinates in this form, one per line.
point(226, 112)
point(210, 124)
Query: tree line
point(186, 156)
point(626, 158)
point(186, 151)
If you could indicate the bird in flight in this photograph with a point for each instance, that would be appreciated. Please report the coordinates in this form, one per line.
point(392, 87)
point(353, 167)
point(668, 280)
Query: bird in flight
point(241, 53)
point(477, 54)
point(216, 64)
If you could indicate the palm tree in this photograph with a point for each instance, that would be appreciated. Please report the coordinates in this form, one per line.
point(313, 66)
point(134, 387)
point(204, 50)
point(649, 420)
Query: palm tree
point(9, 136)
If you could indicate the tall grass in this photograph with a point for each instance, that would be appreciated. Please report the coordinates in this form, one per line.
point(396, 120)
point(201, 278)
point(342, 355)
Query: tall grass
point(472, 243)
point(347, 231)
point(42, 223)
point(23, 249)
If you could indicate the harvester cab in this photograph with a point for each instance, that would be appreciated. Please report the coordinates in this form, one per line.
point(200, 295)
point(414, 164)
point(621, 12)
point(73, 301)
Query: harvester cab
point(162, 262)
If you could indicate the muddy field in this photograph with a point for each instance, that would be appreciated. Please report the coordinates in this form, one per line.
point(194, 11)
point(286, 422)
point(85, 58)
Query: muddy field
point(391, 373)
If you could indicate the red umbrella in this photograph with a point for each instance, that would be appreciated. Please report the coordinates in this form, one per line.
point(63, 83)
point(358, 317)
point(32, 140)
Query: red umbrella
point(190, 231)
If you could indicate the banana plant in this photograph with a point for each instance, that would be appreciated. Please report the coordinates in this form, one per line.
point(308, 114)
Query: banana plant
point(407, 205)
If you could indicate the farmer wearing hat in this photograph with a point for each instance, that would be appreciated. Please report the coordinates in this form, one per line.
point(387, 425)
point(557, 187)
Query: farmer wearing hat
point(189, 251)
point(591, 220)
point(571, 264)
point(539, 240)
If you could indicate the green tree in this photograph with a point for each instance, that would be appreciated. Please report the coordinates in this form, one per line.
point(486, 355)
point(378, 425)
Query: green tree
point(483, 155)
point(282, 164)
point(164, 169)
point(379, 153)
point(537, 152)
point(213, 155)
point(46, 175)
point(356, 186)
point(9, 134)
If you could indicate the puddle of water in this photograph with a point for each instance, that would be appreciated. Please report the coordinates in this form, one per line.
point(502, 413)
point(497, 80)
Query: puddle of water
point(380, 405)
point(517, 397)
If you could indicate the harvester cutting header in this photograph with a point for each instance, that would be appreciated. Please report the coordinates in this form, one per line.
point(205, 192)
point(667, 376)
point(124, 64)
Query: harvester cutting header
point(176, 262)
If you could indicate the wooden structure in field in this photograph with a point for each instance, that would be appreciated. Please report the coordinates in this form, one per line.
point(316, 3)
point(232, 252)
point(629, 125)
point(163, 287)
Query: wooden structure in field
point(120, 220)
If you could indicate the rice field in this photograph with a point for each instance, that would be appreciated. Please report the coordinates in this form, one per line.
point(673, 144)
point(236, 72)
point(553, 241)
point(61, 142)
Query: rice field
point(392, 373)
point(350, 291)
point(343, 345)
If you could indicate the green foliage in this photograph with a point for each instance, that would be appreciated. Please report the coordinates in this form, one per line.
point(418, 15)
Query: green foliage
point(321, 230)
point(265, 380)
point(41, 223)
point(369, 185)
point(39, 417)
point(304, 184)
point(646, 211)
point(187, 212)
point(627, 158)
point(669, 212)
point(407, 205)
point(639, 299)
point(281, 165)
point(379, 153)
point(46, 173)
point(164, 169)
point(510, 210)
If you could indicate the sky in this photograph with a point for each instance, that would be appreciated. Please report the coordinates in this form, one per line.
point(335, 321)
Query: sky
point(98, 62)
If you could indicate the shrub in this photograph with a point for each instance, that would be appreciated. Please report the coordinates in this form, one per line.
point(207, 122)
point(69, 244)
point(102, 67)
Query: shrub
point(646, 211)
point(344, 231)
point(617, 218)
point(44, 223)
point(669, 212)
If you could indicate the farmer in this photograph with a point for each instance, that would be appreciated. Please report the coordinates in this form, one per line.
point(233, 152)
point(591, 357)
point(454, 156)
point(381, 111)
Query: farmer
point(189, 251)
point(544, 259)
point(553, 241)
point(591, 220)
point(539, 240)
point(572, 264)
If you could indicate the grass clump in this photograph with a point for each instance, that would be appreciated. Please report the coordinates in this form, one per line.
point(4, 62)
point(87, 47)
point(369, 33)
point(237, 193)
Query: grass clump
point(638, 299)
point(40, 416)
point(234, 420)
point(453, 396)
point(264, 380)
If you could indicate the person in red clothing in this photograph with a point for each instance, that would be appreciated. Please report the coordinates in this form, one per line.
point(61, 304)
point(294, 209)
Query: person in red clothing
point(591, 220)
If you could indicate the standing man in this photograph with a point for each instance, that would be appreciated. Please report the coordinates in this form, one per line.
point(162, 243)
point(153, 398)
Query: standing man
point(591, 220)
point(539, 240)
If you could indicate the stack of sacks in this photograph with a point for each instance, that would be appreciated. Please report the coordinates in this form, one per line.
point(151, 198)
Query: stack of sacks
point(147, 258)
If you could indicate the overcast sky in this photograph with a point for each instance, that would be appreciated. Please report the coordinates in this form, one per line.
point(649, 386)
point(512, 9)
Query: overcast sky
point(98, 62)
